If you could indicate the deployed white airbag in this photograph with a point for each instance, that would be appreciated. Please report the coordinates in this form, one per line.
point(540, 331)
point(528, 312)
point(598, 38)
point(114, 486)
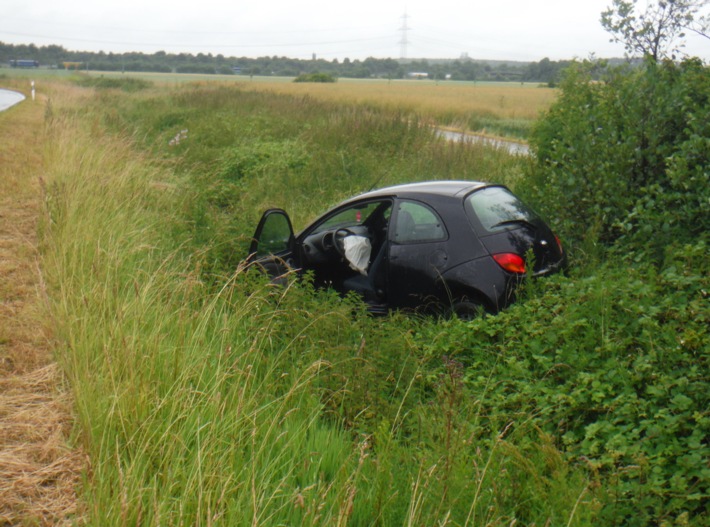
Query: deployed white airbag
point(357, 252)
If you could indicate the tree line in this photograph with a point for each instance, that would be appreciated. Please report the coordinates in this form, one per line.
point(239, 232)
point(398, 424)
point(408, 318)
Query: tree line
point(464, 68)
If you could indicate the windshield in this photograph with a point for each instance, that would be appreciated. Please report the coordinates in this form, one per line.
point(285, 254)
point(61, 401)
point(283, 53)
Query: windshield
point(497, 208)
point(355, 215)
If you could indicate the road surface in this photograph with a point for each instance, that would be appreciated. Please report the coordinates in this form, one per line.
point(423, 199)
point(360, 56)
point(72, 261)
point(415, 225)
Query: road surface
point(9, 98)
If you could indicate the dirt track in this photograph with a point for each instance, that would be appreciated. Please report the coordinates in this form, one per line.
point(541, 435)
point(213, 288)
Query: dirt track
point(39, 472)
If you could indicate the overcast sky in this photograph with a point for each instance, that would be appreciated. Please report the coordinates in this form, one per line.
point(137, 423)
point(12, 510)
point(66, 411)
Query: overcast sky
point(526, 30)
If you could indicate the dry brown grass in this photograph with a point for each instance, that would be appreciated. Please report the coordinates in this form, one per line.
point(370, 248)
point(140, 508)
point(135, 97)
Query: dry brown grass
point(38, 470)
point(502, 101)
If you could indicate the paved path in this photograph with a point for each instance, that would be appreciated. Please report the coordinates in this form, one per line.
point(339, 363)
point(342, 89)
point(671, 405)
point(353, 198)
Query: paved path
point(9, 98)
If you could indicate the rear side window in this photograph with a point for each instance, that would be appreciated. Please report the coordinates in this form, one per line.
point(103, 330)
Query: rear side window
point(497, 208)
point(416, 222)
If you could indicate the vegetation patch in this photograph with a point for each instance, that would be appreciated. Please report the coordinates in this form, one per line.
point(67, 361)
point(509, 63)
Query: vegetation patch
point(127, 84)
point(625, 155)
point(315, 77)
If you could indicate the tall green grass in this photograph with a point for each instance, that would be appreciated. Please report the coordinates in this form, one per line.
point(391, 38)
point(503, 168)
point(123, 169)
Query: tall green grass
point(188, 413)
point(217, 398)
point(246, 151)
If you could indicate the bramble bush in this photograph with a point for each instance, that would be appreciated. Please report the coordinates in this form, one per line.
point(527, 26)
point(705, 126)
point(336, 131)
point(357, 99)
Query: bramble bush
point(615, 369)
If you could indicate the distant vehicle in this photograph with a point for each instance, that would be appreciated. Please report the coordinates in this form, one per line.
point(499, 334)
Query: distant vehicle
point(24, 64)
point(461, 246)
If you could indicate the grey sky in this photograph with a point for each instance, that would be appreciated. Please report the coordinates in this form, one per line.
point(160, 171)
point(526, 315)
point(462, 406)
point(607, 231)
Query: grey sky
point(527, 30)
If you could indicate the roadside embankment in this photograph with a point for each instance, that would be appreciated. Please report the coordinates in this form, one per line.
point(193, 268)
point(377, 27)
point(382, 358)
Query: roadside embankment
point(38, 469)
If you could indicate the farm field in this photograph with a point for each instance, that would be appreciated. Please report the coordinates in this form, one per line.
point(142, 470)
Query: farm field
point(201, 394)
point(464, 105)
point(500, 109)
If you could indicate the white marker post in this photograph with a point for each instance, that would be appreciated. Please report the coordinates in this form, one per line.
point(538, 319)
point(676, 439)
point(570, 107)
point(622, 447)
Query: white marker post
point(33, 90)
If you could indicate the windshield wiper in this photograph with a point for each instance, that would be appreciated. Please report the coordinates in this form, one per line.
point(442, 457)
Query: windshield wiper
point(513, 222)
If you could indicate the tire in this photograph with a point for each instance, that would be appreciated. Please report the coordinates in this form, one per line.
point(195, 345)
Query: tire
point(467, 309)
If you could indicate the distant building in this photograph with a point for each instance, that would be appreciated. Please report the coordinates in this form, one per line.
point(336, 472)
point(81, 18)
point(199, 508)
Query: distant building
point(417, 75)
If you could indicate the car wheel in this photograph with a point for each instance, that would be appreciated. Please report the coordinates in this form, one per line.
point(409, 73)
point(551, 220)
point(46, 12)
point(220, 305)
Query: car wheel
point(467, 309)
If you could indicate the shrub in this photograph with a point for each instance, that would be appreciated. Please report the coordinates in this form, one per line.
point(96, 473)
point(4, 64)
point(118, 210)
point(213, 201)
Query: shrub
point(614, 368)
point(315, 77)
point(127, 84)
point(627, 158)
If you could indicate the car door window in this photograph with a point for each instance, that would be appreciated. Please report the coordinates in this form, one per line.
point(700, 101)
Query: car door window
point(273, 234)
point(415, 222)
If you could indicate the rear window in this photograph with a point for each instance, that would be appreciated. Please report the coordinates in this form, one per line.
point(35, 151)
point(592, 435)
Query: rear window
point(497, 208)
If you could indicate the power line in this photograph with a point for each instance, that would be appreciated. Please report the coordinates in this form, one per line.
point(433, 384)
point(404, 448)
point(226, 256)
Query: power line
point(54, 24)
point(203, 45)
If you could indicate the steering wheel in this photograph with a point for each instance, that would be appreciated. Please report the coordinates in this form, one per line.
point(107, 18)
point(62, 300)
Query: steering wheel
point(327, 241)
point(338, 237)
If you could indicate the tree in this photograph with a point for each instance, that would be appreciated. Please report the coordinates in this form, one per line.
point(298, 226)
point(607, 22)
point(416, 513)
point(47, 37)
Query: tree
point(659, 31)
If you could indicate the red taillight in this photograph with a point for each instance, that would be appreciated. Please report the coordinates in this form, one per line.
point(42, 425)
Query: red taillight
point(559, 244)
point(511, 262)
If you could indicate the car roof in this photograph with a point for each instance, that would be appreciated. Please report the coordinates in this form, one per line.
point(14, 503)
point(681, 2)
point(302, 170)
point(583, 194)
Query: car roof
point(439, 188)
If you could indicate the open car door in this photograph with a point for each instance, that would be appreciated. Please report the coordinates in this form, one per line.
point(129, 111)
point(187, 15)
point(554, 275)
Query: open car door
point(272, 247)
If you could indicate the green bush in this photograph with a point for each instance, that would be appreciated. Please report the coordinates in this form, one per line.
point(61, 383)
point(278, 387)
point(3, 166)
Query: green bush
point(615, 370)
point(622, 167)
point(315, 77)
point(127, 84)
point(626, 159)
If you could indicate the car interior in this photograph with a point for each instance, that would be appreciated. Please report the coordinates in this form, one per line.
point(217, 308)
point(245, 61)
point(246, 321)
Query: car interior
point(324, 249)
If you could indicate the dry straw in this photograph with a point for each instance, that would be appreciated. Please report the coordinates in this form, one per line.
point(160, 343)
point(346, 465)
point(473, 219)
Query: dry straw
point(38, 470)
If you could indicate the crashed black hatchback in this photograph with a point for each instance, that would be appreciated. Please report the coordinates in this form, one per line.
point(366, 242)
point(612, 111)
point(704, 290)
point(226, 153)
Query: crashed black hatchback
point(458, 245)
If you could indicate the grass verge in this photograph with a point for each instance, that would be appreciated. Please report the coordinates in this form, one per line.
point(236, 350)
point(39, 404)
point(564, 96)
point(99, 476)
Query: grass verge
point(39, 469)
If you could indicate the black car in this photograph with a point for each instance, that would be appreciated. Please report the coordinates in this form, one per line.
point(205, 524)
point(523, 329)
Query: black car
point(460, 245)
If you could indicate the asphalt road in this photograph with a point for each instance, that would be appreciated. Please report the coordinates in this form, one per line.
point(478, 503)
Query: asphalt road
point(9, 98)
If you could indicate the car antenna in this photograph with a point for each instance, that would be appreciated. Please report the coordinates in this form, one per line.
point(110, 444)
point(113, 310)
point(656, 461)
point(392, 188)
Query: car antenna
point(375, 183)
